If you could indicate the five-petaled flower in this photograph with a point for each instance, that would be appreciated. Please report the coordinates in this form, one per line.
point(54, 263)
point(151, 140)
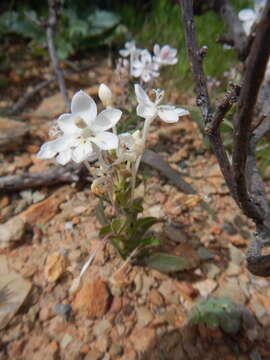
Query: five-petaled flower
point(81, 129)
point(149, 109)
point(165, 55)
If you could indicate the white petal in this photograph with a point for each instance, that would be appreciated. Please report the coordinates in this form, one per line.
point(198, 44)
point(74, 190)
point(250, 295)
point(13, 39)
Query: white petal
point(127, 139)
point(84, 106)
point(181, 111)
point(64, 157)
point(105, 95)
point(146, 76)
point(246, 15)
point(146, 111)
point(46, 151)
point(167, 114)
point(124, 53)
point(82, 152)
point(106, 140)
point(141, 96)
point(106, 120)
point(62, 143)
point(156, 49)
point(67, 125)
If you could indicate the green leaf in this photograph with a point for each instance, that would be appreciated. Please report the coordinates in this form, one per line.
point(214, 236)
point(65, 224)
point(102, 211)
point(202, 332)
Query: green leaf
point(105, 230)
point(100, 213)
point(151, 240)
point(118, 224)
point(167, 263)
point(142, 225)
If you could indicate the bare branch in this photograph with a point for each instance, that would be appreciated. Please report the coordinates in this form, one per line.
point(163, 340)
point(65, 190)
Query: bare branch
point(212, 120)
point(253, 78)
point(50, 26)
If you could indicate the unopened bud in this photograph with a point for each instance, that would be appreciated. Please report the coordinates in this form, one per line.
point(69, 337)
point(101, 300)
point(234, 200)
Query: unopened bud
point(105, 95)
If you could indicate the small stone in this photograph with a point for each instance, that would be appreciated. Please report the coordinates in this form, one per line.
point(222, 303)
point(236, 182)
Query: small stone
point(212, 270)
point(55, 267)
point(166, 288)
point(206, 287)
point(45, 313)
point(93, 298)
point(116, 350)
point(94, 354)
point(138, 282)
point(175, 235)
point(102, 327)
point(236, 255)
point(259, 310)
point(116, 304)
point(155, 298)
point(63, 310)
point(144, 316)
point(204, 253)
point(143, 339)
point(11, 232)
point(229, 228)
point(233, 269)
point(66, 340)
point(231, 289)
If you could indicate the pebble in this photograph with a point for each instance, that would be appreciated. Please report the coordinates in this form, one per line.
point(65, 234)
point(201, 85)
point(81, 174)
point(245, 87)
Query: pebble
point(66, 340)
point(12, 231)
point(144, 316)
point(93, 298)
point(116, 350)
point(204, 253)
point(236, 255)
point(102, 327)
point(63, 310)
point(212, 270)
point(56, 265)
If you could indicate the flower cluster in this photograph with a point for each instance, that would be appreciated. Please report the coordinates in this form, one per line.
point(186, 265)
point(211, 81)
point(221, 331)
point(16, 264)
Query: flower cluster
point(142, 64)
point(84, 134)
point(250, 16)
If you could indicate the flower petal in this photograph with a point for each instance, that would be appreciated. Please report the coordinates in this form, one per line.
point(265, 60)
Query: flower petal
point(84, 106)
point(106, 119)
point(146, 111)
point(82, 152)
point(181, 111)
point(168, 114)
point(64, 157)
point(106, 140)
point(46, 151)
point(246, 15)
point(127, 139)
point(62, 143)
point(156, 49)
point(67, 125)
point(141, 95)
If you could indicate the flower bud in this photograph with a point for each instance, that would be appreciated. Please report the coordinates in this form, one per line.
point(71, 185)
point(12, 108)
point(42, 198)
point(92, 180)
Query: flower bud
point(105, 95)
point(99, 186)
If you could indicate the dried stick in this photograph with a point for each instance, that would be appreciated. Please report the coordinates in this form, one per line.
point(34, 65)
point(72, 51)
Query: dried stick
point(50, 26)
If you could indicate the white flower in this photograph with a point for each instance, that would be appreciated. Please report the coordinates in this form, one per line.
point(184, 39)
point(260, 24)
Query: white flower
point(105, 95)
point(131, 146)
point(165, 55)
point(144, 67)
point(247, 17)
point(130, 49)
point(81, 129)
point(149, 109)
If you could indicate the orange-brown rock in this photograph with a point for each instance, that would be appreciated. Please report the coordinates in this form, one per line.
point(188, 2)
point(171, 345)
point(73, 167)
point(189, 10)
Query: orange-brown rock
point(93, 298)
point(55, 267)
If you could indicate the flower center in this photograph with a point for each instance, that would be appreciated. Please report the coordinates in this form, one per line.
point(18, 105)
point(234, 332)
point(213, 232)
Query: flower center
point(80, 123)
